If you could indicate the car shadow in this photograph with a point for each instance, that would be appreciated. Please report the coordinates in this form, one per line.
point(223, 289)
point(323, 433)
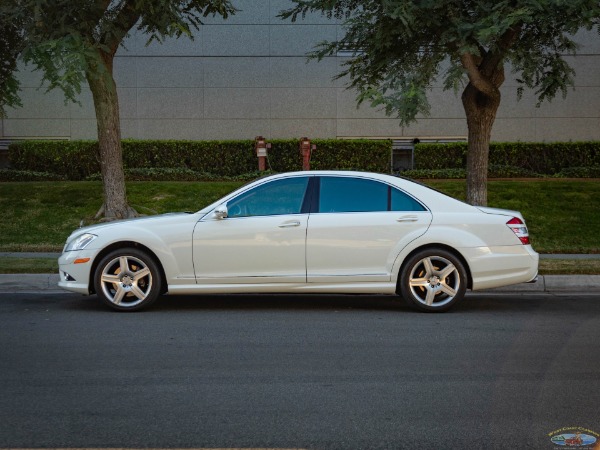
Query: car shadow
point(280, 302)
point(473, 303)
point(256, 302)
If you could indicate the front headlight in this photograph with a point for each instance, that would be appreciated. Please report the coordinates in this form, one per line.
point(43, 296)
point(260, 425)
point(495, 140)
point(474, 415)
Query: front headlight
point(79, 242)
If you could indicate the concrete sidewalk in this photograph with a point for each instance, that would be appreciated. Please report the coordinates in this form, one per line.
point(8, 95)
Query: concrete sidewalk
point(20, 282)
point(546, 283)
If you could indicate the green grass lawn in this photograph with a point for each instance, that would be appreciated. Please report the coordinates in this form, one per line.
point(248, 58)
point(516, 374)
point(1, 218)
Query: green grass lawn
point(40, 216)
point(563, 216)
point(28, 265)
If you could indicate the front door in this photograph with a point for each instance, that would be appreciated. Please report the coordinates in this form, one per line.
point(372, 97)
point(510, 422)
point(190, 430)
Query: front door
point(262, 239)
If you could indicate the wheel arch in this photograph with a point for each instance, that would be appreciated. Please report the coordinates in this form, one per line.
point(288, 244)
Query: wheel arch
point(126, 244)
point(436, 246)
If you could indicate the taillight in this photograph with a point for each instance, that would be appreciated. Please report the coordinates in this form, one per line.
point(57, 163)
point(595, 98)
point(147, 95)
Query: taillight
point(520, 229)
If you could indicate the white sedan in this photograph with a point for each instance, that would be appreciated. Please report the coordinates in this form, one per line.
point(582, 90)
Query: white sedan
point(306, 232)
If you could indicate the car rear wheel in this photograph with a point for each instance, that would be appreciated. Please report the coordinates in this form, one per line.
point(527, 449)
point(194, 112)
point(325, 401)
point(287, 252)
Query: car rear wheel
point(127, 279)
point(433, 280)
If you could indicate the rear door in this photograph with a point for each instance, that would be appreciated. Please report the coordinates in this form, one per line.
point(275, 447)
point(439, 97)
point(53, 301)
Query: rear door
point(358, 227)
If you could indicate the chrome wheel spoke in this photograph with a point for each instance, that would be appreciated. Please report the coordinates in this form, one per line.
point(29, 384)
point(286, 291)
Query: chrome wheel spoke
point(448, 270)
point(141, 274)
point(135, 290)
point(447, 290)
point(430, 296)
point(108, 278)
point(428, 267)
point(124, 264)
point(418, 282)
point(119, 295)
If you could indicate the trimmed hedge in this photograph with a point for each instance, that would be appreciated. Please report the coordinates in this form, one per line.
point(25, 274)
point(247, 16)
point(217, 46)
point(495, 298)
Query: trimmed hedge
point(78, 160)
point(494, 171)
point(225, 158)
point(27, 175)
point(212, 160)
point(536, 157)
point(74, 160)
point(579, 172)
point(179, 174)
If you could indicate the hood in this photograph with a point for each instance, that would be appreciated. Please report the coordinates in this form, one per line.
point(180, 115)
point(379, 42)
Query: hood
point(94, 229)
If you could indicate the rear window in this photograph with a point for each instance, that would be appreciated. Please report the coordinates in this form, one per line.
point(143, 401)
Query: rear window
point(344, 194)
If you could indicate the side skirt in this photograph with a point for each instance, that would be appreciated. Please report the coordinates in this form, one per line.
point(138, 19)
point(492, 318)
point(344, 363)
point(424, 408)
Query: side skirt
point(285, 288)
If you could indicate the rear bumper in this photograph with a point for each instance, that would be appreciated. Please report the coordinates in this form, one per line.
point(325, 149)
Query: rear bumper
point(493, 267)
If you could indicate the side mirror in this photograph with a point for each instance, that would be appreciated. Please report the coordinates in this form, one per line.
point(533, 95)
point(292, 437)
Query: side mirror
point(221, 212)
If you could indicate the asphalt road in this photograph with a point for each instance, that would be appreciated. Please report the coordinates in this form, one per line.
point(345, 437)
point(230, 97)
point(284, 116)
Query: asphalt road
point(328, 372)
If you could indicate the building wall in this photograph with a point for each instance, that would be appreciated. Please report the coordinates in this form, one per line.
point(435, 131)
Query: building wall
point(249, 76)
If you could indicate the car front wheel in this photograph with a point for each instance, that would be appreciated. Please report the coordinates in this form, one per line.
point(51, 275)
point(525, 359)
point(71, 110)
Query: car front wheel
point(433, 280)
point(127, 279)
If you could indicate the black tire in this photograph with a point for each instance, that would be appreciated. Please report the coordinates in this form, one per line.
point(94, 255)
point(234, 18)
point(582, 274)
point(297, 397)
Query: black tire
point(433, 280)
point(127, 279)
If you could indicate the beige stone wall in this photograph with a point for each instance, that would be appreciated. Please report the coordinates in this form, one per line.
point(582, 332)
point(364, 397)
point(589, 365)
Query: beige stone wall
point(249, 76)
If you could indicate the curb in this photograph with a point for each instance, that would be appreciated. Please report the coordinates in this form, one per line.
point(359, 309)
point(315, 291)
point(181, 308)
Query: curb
point(545, 283)
point(554, 283)
point(29, 282)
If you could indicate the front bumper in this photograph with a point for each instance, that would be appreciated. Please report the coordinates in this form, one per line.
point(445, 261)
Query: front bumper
point(76, 277)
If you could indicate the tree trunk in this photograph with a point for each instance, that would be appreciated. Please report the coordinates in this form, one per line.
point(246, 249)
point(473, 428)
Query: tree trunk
point(106, 104)
point(481, 112)
point(481, 99)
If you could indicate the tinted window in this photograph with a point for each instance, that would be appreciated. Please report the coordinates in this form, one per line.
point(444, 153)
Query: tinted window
point(402, 202)
point(352, 195)
point(273, 198)
point(341, 194)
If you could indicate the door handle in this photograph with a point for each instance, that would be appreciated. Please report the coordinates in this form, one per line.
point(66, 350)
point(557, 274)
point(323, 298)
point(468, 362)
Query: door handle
point(290, 224)
point(407, 219)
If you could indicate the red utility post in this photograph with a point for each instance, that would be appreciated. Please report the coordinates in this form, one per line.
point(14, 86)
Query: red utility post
point(260, 145)
point(305, 150)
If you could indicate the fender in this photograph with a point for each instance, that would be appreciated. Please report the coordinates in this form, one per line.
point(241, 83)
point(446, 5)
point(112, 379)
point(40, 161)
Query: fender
point(442, 235)
point(170, 242)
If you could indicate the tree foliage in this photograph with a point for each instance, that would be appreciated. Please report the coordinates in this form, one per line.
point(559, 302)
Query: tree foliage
point(69, 40)
point(11, 45)
point(74, 42)
point(401, 47)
